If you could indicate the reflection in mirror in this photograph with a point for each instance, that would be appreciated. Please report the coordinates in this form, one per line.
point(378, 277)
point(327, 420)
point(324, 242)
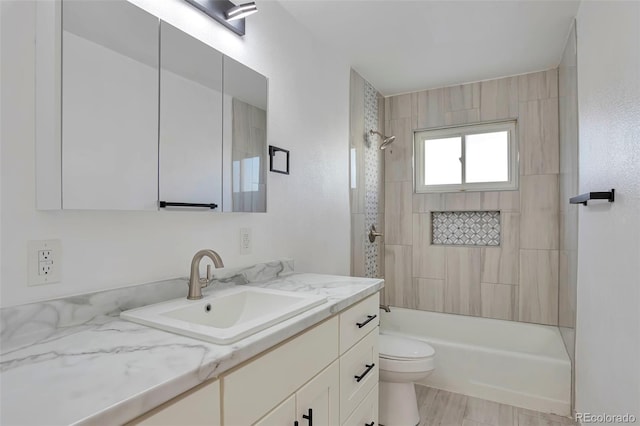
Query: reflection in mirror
point(190, 119)
point(245, 118)
point(109, 106)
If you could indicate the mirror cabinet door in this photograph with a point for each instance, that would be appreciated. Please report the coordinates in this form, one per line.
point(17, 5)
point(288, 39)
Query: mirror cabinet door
point(109, 106)
point(190, 119)
point(245, 138)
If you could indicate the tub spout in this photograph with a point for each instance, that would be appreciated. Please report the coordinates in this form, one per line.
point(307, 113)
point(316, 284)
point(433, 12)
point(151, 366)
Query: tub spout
point(385, 308)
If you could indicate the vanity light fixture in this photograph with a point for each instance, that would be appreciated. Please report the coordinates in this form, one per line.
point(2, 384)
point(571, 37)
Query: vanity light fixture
point(226, 12)
point(241, 11)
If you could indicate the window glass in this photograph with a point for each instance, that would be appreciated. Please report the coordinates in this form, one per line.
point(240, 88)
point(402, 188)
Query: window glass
point(442, 163)
point(487, 157)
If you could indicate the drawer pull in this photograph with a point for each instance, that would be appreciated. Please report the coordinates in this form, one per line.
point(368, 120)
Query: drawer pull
point(370, 424)
point(369, 367)
point(309, 417)
point(295, 423)
point(369, 319)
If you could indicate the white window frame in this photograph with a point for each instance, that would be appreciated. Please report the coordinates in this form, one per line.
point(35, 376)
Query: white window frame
point(420, 136)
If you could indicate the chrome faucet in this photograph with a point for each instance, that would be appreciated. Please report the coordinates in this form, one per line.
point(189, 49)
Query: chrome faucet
point(196, 284)
point(385, 308)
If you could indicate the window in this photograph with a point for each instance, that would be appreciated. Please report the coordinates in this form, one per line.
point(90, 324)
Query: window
point(480, 157)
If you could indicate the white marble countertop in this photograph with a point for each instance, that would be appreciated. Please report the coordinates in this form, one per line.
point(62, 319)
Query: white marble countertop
point(109, 371)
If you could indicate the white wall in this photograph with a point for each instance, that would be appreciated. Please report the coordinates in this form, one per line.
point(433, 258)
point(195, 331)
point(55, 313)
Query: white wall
point(308, 215)
point(608, 307)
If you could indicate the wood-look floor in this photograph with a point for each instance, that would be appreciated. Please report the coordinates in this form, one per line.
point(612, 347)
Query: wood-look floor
point(442, 408)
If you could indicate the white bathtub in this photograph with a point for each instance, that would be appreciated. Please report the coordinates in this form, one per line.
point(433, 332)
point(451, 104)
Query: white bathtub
point(525, 365)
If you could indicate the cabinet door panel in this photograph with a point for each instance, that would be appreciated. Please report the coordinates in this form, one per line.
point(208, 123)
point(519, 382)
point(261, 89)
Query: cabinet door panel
point(283, 415)
point(109, 106)
point(367, 412)
point(322, 396)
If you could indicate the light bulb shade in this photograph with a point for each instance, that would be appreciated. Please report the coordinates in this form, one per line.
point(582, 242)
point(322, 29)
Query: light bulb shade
point(241, 11)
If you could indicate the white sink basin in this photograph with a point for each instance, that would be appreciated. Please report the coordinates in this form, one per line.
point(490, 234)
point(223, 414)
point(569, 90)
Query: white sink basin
point(226, 316)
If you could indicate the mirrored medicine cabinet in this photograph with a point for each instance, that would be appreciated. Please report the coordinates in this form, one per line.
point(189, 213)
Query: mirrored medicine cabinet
point(149, 116)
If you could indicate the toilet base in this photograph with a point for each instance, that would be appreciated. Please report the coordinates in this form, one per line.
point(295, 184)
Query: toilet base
point(398, 404)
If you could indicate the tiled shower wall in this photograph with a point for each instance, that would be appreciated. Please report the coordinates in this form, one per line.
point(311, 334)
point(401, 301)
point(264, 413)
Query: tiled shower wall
point(568, 114)
point(517, 280)
point(367, 177)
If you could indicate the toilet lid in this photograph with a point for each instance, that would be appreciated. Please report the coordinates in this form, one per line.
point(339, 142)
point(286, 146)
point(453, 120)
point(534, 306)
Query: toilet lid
point(396, 347)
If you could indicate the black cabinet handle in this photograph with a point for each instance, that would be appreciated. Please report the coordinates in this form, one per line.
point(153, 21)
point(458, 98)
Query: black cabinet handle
point(165, 204)
point(369, 319)
point(370, 424)
point(369, 367)
point(295, 423)
point(309, 417)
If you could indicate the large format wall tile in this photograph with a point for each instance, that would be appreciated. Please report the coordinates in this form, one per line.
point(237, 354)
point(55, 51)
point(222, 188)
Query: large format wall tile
point(500, 265)
point(462, 282)
point(400, 106)
point(427, 294)
point(499, 301)
point(397, 279)
point(399, 154)
point(499, 99)
point(461, 201)
point(538, 85)
point(539, 220)
point(505, 201)
point(425, 203)
point(539, 137)
point(431, 108)
point(462, 97)
point(428, 260)
point(538, 301)
point(398, 213)
point(462, 117)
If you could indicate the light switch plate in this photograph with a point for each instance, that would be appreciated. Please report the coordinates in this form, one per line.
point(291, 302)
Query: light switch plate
point(44, 259)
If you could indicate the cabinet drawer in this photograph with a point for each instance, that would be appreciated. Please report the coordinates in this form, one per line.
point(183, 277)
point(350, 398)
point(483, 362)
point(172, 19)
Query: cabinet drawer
point(367, 412)
point(199, 406)
point(361, 361)
point(254, 389)
point(352, 321)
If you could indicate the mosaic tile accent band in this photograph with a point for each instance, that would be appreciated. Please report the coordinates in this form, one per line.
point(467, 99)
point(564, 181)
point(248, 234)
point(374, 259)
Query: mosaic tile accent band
point(472, 228)
point(371, 178)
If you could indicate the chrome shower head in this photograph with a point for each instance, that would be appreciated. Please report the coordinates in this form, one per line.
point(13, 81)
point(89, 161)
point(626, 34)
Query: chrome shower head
point(386, 140)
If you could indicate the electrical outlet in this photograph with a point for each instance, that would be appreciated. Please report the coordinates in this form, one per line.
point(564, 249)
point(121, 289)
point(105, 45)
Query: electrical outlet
point(245, 240)
point(43, 261)
point(45, 268)
point(44, 255)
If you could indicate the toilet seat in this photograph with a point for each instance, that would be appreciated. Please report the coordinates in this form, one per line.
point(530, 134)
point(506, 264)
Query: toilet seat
point(402, 348)
point(403, 355)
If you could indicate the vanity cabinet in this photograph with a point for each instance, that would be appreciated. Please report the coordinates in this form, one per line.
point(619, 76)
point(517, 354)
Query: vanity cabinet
point(325, 376)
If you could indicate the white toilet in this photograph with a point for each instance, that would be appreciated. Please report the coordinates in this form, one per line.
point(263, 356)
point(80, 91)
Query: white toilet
point(402, 362)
